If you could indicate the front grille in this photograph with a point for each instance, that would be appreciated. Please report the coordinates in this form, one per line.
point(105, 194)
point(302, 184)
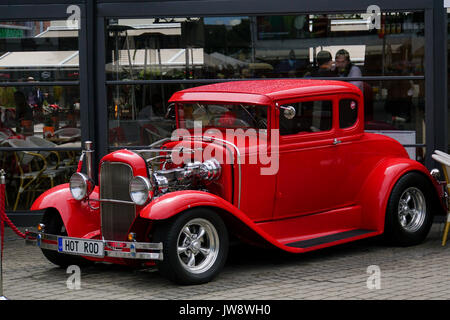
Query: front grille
point(116, 218)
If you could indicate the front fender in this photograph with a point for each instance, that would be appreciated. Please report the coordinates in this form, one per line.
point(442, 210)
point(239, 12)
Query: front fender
point(376, 191)
point(79, 219)
point(174, 203)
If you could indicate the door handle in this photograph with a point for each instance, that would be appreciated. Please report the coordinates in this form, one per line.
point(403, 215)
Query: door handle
point(336, 141)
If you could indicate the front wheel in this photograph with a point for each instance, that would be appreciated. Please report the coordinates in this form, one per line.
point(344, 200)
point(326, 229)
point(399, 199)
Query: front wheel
point(195, 246)
point(409, 211)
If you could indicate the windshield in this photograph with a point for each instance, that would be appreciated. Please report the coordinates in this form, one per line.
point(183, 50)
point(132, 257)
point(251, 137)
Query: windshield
point(222, 115)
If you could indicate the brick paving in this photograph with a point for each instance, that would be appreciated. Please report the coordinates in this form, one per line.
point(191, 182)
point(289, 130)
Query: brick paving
point(420, 272)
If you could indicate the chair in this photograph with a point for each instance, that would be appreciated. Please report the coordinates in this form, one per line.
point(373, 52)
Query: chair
point(3, 136)
point(68, 134)
point(40, 142)
point(444, 159)
point(25, 173)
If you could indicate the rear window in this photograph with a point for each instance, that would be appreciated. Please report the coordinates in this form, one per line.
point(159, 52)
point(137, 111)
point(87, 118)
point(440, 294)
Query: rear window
point(348, 113)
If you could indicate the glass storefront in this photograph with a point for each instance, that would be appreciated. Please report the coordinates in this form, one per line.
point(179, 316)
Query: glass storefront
point(147, 60)
point(263, 46)
point(39, 107)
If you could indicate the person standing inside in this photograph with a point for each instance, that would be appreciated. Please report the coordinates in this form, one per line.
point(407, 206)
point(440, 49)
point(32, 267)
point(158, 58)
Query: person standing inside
point(325, 64)
point(345, 68)
point(24, 114)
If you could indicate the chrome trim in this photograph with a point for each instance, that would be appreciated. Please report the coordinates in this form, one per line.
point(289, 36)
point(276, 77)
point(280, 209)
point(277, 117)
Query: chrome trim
point(162, 150)
point(159, 142)
point(112, 200)
point(138, 255)
point(88, 185)
point(138, 245)
point(198, 248)
point(36, 239)
point(89, 152)
point(435, 173)
point(412, 209)
point(289, 112)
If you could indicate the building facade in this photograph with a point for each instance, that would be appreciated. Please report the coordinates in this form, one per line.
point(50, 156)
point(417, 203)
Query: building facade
point(72, 71)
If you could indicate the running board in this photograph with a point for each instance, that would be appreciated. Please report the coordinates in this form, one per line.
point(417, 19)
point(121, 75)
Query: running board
point(304, 244)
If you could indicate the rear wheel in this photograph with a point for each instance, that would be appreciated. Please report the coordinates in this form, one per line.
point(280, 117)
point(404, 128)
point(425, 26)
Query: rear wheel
point(195, 246)
point(409, 211)
point(54, 225)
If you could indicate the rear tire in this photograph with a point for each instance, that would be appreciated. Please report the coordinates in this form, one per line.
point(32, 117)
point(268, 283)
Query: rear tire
point(409, 211)
point(54, 225)
point(195, 246)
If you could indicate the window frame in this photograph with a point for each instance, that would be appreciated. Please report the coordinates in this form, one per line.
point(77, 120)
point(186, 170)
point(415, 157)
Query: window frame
point(308, 136)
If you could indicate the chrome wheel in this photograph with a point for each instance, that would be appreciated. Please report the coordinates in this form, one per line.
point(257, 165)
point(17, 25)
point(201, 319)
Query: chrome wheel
point(198, 245)
point(412, 209)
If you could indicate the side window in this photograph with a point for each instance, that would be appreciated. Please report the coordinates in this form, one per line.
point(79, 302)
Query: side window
point(310, 116)
point(348, 113)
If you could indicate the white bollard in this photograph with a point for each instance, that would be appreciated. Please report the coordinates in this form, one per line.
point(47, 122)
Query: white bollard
point(2, 229)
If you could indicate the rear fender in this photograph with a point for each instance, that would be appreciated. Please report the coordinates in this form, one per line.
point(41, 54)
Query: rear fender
point(175, 203)
point(375, 194)
point(79, 219)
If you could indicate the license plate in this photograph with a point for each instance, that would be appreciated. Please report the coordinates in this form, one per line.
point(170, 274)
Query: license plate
point(81, 247)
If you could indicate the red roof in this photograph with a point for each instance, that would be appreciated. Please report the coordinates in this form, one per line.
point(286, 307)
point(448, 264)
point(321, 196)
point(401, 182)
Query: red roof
point(261, 91)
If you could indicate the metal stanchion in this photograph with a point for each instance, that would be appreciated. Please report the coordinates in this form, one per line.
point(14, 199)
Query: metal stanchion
point(2, 228)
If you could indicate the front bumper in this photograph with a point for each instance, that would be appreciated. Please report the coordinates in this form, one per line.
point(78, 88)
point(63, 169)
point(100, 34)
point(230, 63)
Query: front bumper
point(113, 249)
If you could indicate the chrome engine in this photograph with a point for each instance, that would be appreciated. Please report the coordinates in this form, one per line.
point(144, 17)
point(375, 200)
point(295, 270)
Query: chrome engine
point(192, 175)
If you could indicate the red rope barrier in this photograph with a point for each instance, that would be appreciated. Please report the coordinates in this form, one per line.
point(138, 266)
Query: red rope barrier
point(4, 218)
point(12, 226)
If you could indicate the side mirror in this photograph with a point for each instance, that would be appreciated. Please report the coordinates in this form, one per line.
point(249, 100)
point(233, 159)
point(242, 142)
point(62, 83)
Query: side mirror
point(288, 112)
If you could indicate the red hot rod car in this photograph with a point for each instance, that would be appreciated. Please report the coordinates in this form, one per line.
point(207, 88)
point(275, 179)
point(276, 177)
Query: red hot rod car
point(281, 163)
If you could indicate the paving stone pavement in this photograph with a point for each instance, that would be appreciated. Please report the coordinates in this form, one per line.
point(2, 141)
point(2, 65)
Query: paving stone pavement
point(338, 273)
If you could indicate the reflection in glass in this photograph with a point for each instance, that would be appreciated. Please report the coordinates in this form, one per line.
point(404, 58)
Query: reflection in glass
point(38, 51)
point(397, 109)
point(35, 115)
point(264, 46)
point(28, 174)
point(140, 114)
point(38, 117)
point(39, 110)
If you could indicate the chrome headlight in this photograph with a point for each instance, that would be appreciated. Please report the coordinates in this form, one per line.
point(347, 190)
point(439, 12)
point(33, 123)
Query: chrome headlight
point(80, 185)
point(139, 190)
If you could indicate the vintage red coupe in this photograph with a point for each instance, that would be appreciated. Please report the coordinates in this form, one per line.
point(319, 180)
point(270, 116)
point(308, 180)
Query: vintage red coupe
point(278, 163)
